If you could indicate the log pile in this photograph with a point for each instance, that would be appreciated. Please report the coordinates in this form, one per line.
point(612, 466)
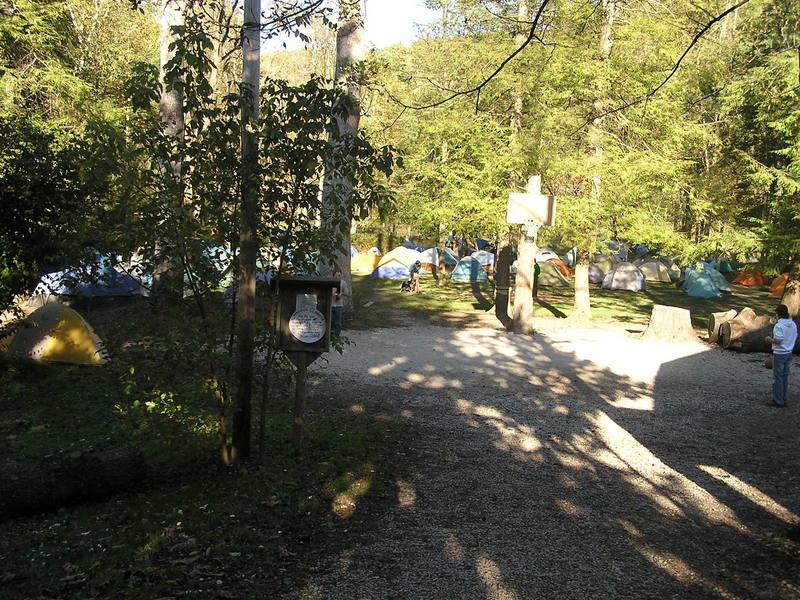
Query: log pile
point(32, 487)
point(745, 332)
point(715, 322)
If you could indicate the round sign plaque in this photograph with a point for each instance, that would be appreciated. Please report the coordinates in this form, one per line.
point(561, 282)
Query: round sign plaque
point(308, 325)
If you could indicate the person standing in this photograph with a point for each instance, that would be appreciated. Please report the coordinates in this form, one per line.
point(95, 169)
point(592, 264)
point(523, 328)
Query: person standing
point(337, 305)
point(414, 272)
point(783, 340)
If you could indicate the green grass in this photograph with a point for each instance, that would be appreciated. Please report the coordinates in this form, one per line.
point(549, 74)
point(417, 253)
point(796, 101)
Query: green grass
point(607, 305)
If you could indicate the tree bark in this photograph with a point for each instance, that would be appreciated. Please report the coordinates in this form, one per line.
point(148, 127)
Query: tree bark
point(33, 487)
point(350, 54)
point(523, 286)
point(502, 279)
point(715, 321)
point(248, 233)
point(791, 294)
point(738, 337)
point(670, 323)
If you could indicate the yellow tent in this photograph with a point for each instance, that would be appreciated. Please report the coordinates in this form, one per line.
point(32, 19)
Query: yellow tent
point(364, 263)
point(56, 333)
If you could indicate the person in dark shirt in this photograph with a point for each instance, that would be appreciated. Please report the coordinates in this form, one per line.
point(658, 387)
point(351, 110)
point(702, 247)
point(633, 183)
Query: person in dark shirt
point(414, 271)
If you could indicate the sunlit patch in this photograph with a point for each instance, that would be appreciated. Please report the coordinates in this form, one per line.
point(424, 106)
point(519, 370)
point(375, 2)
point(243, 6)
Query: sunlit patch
point(406, 494)
point(406, 413)
point(629, 528)
point(344, 504)
point(357, 408)
point(637, 403)
point(454, 549)
point(492, 578)
point(679, 569)
point(675, 494)
point(463, 406)
point(753, 494)
point(488, 412)
point(390, 366)
point(567, 482)
point(573, 510)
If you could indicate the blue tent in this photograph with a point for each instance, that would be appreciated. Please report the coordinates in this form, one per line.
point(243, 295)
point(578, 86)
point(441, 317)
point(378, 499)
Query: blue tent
point(469, 269)
point(702, 286)
point(96, 279)
point(353, 251)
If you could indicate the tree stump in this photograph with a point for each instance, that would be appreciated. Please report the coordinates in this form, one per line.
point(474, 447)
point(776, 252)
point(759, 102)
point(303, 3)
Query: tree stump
point(670, 323)
point(715, 321)
point(33, 487)
point(746, 332)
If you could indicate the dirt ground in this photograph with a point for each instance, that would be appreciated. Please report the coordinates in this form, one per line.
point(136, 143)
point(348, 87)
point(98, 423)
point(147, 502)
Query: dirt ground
point(577, 463)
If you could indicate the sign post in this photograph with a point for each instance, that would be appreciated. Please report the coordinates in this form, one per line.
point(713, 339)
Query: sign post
point(304, 333)
point(532, 209)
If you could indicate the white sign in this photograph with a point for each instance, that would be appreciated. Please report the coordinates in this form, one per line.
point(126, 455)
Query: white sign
point(531, 205)
point(308, 325)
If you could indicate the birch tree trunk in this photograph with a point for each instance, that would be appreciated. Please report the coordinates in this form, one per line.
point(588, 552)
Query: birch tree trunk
point(503, 273)
point(337, 187)
point(248, 240)
point(582, 307)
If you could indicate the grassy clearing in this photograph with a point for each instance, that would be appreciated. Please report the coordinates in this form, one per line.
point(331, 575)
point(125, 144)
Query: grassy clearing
point(607, 305)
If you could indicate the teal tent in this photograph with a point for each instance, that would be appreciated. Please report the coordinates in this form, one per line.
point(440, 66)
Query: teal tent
point(469, 269)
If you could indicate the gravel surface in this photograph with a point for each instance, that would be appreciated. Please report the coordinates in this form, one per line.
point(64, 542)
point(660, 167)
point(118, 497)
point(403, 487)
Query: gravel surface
point(572, 464)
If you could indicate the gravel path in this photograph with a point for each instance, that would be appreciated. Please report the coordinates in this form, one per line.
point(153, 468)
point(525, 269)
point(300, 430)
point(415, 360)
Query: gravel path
point(573, 464)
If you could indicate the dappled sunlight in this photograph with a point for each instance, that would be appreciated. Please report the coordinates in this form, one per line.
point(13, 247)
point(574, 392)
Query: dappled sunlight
point(390, 366)
point(676, 567)
point(454, 550)
point(406, 494)
point(344, 504)
point(751, 493)
point(492, 577)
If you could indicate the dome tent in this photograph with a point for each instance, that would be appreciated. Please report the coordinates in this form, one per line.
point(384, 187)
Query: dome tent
point(56, 333)
point(486, 259)
point(469, 269)
point(625, 276)
point(550, 275)
point(364, 263)
point(595, 274)
point(395, 264)
point(654, 270)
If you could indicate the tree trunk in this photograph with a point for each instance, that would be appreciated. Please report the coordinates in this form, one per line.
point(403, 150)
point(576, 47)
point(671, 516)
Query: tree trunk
point(735, 336)
point(523, 287)
point(350, 54)
point(502, 280)
point(670, 323)
point(28, 488)
point(582, 307)
point(791, 295)
point(248, 234)
point(715, 321)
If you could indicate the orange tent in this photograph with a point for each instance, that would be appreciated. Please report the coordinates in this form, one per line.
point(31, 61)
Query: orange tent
point(750, 278)
point(561, 266)
point(778, 285)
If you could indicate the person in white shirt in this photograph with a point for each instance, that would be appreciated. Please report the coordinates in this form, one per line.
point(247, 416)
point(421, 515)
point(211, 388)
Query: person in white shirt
point(783, 340)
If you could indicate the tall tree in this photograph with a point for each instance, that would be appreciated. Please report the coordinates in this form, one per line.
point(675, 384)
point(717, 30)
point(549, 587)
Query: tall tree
point(338, 184)
point(248, 237)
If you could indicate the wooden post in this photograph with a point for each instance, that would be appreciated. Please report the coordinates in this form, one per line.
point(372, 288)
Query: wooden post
point(298, 419)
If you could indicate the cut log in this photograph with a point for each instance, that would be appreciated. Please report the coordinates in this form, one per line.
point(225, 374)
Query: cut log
point(33, 487)
point(715, 321)
point(670, 323)
point(742, 339)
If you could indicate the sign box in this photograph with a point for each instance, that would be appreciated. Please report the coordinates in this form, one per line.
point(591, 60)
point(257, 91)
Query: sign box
point(304, 318)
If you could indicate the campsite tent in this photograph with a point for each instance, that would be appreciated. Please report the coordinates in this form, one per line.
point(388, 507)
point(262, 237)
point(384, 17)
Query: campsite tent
point(429, 259)
point(363, 263)
point(699, 284)
point(625, 276)
point(595, 274)
point(545, 254)
point(719, 280)
point(550, 275)
point(450, 258)
point(655, 270)
point(96, 279)
point(565, 270)
point(469, 269)
point(375, 251)
point(778, 286)
point(486, 259)
point(353, 251)
point(570, 257)
point(55, 333)
point(605, 262)
point(750, 277)
point(395, 264)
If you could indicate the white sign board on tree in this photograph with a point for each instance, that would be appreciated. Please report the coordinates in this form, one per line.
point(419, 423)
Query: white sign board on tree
point(532, 205)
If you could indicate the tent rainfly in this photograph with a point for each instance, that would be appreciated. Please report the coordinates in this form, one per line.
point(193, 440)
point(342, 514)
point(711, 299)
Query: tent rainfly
point(469, 269)
point(625, 276)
